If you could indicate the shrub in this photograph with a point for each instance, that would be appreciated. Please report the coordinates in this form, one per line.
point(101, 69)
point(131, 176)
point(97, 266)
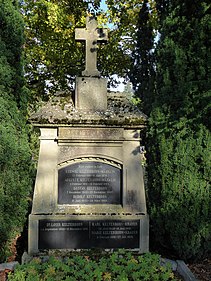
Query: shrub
point(15, 158)
point(180, 204)
point(15, 182)
point(119, 266)
point(179, 139)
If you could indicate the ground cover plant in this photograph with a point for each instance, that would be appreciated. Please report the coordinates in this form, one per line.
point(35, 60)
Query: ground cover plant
point(121, 265)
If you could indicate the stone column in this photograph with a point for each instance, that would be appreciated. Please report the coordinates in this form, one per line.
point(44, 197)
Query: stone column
point(46, 179)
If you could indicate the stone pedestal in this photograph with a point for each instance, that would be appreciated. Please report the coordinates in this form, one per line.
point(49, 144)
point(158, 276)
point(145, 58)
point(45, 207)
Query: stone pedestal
point(89, 190)
point(91, 93)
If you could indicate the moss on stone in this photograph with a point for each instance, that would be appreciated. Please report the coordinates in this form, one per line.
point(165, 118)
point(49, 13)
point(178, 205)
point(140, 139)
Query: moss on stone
point(61, 110)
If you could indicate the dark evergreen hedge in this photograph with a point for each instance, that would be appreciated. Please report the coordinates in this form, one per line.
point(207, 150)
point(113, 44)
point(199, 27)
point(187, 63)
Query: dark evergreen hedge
point(179, 137)
point(15, 154)
point(15, 182)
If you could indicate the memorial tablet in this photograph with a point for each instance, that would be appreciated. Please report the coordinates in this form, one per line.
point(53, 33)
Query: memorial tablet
point(85, 234)
point(89, 182)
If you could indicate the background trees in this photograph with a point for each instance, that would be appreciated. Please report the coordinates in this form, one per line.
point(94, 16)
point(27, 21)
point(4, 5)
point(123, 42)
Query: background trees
point(53, 57)
point(15, 181)
point(142, 72)
point(178, 134)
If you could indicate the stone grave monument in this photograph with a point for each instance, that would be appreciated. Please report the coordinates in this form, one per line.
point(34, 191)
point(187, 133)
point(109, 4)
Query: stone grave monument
point(89, 190)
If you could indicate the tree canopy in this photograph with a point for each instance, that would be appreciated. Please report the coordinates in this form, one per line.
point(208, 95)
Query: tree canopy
point(11, 34)
point(53, 57)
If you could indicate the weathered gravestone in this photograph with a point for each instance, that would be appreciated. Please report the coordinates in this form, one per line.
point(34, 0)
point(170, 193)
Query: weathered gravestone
point(89, 190)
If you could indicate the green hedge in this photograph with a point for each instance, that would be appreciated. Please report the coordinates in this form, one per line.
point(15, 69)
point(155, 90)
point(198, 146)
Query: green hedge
point(179, 138)
point(180, 195)
point(15, 171)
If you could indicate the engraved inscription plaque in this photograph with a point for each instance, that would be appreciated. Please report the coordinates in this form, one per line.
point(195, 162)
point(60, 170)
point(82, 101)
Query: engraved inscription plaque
point(85, 234)
point(89, 182)
point(91, 133)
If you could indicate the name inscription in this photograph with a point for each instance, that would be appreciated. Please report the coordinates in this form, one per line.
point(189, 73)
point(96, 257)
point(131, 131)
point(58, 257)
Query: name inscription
point(84, 234)
point(88, 133)
point(89, 183)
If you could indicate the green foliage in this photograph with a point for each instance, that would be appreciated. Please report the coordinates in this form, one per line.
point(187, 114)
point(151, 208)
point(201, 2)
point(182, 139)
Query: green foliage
point(119, 266)
point(11, 43)
point(178, 136)
point(180, 198)
point(142, 73)
point(15, 182)
point(53, 58)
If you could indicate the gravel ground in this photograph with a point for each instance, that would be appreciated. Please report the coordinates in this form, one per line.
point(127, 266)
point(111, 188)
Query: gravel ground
point(201, 270)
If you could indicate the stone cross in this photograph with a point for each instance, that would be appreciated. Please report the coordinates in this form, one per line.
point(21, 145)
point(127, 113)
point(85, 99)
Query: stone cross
point(91, 34)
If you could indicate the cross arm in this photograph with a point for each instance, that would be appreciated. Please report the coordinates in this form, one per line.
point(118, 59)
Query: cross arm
point(80, 34)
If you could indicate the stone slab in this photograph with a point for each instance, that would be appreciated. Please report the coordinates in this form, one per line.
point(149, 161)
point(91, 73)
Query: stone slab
point(91, 93)
point(8, 265)
point(184, 271)
point(89, 182)
point(88, 234)
point(88, 231)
